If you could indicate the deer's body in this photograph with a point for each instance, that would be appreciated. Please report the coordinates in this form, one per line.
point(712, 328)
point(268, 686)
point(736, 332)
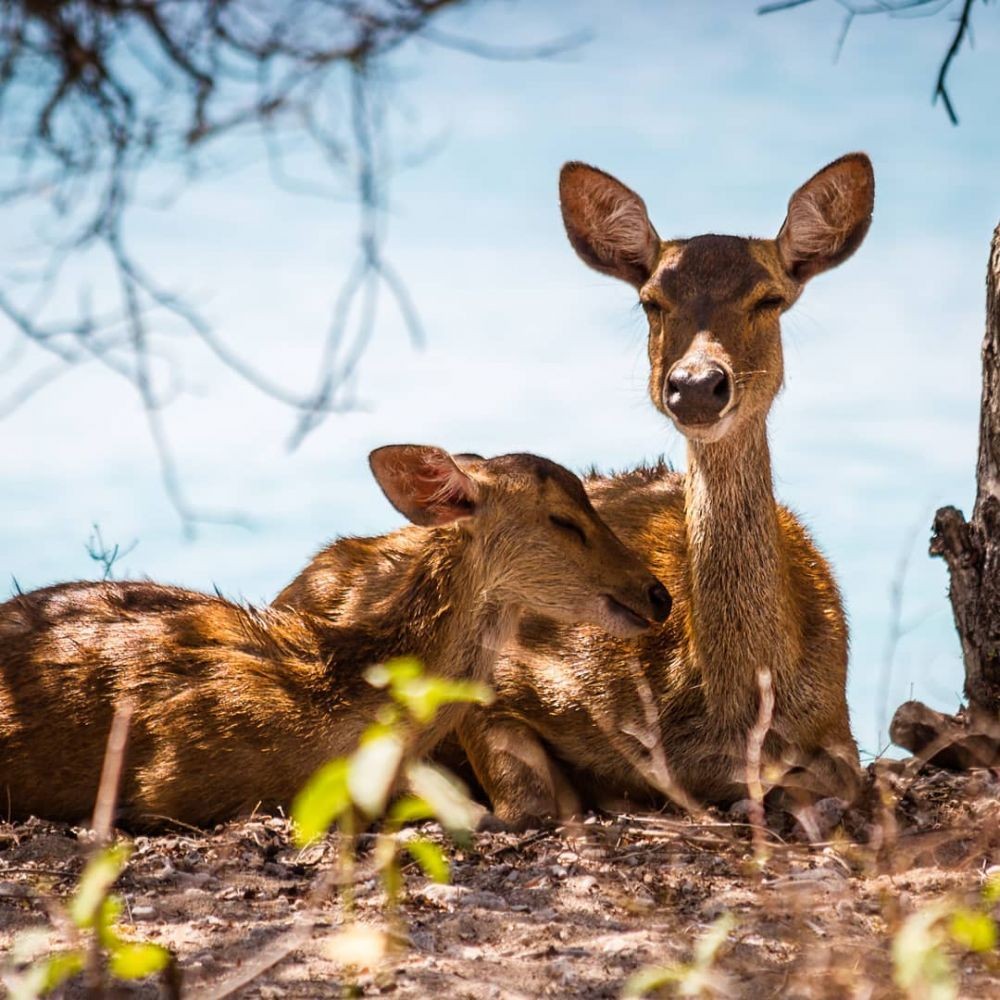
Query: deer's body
point(579, 714)
point(235, 707)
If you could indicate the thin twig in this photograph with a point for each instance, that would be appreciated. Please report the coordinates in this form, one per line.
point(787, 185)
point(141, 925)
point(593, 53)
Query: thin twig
point(900, 8)
point(755, 747)
point(111, 773)
point(941, 88)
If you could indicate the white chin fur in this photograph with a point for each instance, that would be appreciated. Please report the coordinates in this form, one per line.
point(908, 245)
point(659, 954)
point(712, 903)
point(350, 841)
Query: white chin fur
point(711, 433)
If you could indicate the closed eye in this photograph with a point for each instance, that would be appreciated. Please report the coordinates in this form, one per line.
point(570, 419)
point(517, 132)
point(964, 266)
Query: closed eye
point(652, 308)
point(571, 526)
point(768, 303)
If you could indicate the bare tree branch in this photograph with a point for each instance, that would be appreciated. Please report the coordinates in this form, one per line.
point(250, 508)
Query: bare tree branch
point(92, 93)
point(900, 8)
point(941, 89)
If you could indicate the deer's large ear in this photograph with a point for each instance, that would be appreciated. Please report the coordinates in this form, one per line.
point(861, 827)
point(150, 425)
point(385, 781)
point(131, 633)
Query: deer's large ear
point(607, 223)
point(423, 483)
point(828, 217)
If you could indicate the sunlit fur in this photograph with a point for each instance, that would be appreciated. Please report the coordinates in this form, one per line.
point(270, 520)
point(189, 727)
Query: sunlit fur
point(235, 707)
point(751, 592)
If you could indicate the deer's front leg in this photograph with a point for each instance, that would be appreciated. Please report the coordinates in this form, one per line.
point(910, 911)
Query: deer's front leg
point(524, 784)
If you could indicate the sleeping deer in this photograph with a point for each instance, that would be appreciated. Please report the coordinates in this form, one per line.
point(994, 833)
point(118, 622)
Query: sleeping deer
point(755, 605)
point(235, 707)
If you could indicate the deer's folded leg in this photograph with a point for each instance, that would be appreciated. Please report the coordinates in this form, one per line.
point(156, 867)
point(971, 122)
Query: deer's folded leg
point(522, 781)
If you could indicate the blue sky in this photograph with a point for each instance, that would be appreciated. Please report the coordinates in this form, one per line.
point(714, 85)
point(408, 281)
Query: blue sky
point(714, 115)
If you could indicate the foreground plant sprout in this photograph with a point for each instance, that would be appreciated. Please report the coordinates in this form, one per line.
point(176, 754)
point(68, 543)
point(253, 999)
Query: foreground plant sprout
point(93, 916)
point(353, 792)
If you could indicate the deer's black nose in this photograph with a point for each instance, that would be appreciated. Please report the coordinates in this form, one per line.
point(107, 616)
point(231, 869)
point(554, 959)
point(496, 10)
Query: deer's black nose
point(660, 601)
point(697, 396)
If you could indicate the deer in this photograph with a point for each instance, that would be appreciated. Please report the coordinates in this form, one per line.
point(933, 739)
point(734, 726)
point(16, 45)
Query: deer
point(235, 707)
point(757, 615)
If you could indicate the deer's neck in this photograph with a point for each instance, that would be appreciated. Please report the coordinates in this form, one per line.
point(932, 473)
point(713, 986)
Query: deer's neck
point(741, 622)
point(414, 595)
point(446, 611)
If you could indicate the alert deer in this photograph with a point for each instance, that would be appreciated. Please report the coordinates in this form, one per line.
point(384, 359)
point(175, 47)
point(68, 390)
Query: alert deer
point(582, 714)
point(235, 707)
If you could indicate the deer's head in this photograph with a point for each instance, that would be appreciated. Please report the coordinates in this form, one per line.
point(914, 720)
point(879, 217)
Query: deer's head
point(538, 543)
point(714, 303)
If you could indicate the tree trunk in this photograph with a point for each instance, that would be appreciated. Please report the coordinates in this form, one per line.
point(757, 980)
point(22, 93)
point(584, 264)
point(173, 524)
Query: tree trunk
point(972, 551)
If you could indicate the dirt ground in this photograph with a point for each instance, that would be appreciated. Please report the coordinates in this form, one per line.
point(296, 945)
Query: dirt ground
point(564, 913)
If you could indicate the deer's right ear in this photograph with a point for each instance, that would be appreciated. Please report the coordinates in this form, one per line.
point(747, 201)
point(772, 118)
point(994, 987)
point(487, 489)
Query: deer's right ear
point(423, 483)
point(607, 223)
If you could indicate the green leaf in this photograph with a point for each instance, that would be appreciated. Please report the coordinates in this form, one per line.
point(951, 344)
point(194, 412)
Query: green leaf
point(445, 795)
point(44, 976)
point(708, 945)
point(423, 696)
point(431, 859)
point(136, 960)
point(372, 772)
point(921, 965)
point(322, 801)
point(652, 977)
point(101, 873)
point(973, 931)
point(392, 880)
point(108, 915)
point(394, 672)
point(409, 809)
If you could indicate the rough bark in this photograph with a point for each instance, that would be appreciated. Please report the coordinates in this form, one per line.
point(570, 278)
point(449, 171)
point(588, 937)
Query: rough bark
point(971, 550)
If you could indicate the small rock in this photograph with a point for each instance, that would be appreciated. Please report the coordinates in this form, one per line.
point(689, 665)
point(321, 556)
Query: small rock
point(712, 909)
point(468, 929)
point(546, 914)
point(819, 874)
point(562, 970)
point(742, 811)
point(642, 901)
point(422, 940)
point(617, 945)
point(484, 900)
point(442, 895)
point(143, 912)
point(559, 871)
point(581, 883)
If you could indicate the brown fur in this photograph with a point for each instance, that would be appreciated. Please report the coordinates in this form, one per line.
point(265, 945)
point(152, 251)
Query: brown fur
point(236, 706)
point(580, 714)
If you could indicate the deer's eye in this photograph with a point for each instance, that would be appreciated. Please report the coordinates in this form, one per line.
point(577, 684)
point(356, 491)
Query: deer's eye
point(652, 308)
point(768, 304)
point(570, 526)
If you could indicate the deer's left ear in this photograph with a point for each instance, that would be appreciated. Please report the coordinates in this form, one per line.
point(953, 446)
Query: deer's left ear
point(424, 484)
point(828, 217)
